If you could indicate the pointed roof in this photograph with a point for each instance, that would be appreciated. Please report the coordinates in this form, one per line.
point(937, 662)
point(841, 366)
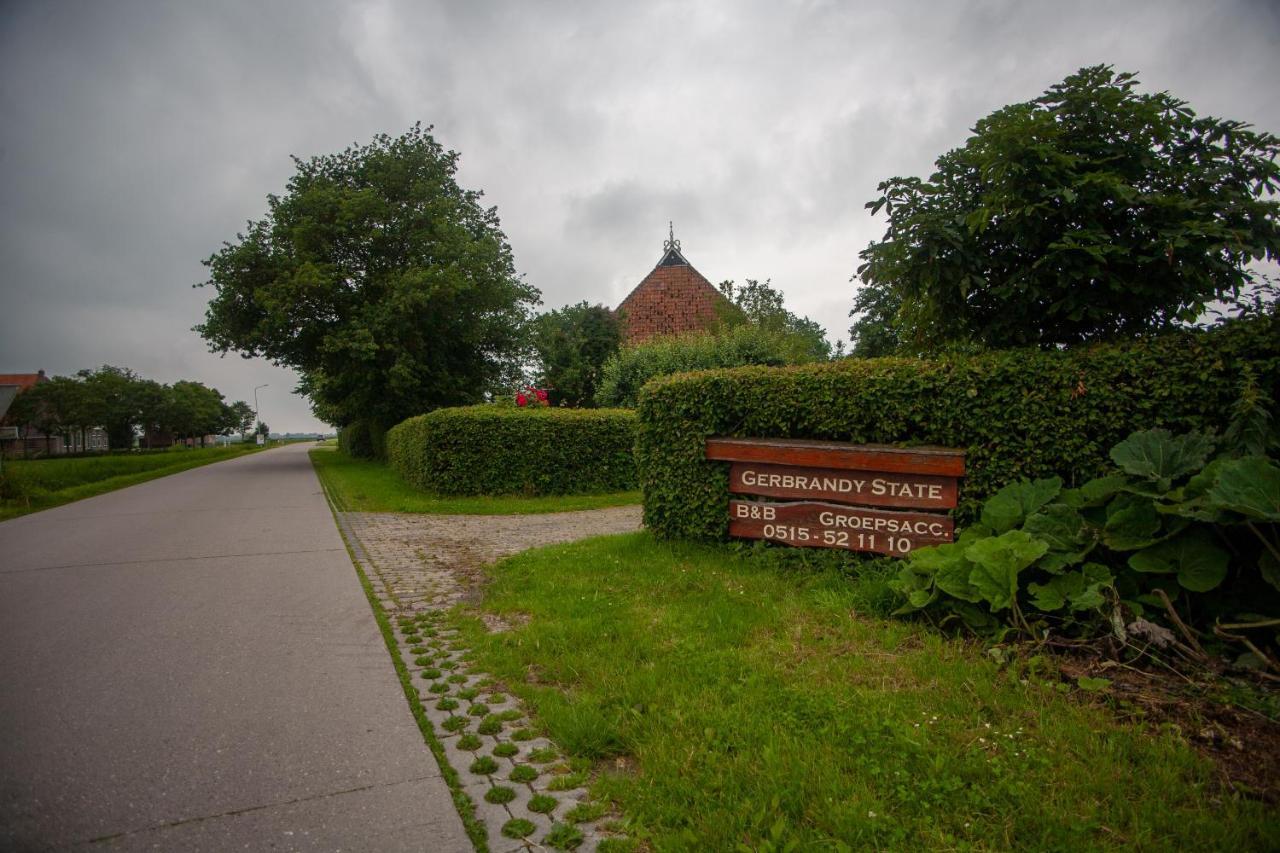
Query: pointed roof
point(23, 380)
point(671, 250)
point(674, 298)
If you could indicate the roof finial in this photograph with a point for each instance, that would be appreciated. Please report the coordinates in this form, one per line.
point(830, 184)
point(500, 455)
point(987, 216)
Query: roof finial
point(671, 242)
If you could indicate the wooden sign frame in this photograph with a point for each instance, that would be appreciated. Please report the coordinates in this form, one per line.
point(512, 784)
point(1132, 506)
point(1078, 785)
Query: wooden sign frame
point(854, 497)
point(806, 453)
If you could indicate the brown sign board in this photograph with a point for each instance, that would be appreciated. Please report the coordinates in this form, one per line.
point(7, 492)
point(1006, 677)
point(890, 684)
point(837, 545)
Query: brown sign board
point(867, 488)
point(825, 525)
point(805, 453)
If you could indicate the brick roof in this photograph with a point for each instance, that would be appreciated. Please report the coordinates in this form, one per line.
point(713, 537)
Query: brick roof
point(23, 380)
point(673, 299)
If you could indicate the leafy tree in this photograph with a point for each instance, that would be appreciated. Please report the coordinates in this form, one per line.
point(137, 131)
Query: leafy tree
point(195, 410)
point(573, 344)
point(626, 372)
point(758, 303)
point(242, 415)
point(1093, 211)
point(153, 402)
point(116, 396)
point(381, 281)
point(58, 407)
point(263, 429)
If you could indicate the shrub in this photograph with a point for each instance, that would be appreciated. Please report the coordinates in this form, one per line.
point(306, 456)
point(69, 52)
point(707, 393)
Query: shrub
point(1016, 413)
point(356, 440)
point(1169, 527)
point(626, 372)
point(495, 450)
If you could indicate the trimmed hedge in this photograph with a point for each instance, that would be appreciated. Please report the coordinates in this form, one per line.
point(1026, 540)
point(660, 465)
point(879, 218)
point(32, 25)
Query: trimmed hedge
point(628, 369)
point(1016, 413)
point(355, 441)
point(363, 439)
point(497, 450)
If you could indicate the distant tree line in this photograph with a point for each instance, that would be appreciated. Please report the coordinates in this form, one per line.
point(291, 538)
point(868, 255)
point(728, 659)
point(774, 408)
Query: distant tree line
point(128, 407)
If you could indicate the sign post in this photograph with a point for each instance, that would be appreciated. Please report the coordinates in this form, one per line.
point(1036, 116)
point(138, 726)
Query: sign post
point(841, 495)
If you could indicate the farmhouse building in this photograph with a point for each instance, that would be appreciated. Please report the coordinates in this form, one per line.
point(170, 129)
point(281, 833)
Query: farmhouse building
point(673, 299)
point(22, 439)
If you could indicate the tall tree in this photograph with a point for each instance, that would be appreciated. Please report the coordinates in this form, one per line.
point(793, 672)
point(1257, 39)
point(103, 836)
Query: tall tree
point(116, 395)
point(380, 280)
point(759, 303)
point(195, 411)
point(59, 407)
point(1093, 211)
point(242, 414)
point(572, 344)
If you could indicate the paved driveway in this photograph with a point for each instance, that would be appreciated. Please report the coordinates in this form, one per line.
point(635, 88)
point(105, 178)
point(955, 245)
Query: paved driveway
point(191, 664)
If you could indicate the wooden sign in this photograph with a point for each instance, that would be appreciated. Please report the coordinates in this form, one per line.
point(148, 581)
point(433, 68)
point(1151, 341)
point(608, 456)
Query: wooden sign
point(827, 475)
point(867, 488)
point(823, 525)
point(940, 461)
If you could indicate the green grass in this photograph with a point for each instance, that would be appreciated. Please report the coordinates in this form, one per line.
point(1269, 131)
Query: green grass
point(30, 485)
point(359, 485)
point(732, 702)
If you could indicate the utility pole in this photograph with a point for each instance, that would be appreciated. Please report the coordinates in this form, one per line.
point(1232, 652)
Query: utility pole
point(257, 420)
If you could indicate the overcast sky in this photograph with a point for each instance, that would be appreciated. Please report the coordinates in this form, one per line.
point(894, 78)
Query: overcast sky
point(136, 137)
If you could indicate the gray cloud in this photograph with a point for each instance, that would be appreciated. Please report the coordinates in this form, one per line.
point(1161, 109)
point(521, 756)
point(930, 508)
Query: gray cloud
point(136, 137)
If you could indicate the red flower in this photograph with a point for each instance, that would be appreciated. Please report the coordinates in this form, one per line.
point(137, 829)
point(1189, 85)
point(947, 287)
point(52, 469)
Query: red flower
point(521, 399)
point(542, 395)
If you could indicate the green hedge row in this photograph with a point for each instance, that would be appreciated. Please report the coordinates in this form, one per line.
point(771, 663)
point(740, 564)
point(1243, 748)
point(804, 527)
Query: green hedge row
point(627, 370)
point(363, 439)
point(496, 450)
point(1017, 413)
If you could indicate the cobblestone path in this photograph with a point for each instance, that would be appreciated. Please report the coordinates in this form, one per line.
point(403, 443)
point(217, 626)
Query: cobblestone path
point(524, 792)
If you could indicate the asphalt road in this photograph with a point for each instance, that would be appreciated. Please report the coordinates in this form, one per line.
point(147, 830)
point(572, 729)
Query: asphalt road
point(191, 664)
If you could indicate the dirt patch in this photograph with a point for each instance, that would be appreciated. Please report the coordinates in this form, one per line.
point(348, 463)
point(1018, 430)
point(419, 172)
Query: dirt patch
point(501, 624)
point(1242, 744)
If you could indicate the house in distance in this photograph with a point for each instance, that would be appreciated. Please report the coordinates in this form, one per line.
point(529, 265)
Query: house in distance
point(673, 299)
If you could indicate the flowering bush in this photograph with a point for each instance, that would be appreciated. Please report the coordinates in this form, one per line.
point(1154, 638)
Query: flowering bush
point(538, 398)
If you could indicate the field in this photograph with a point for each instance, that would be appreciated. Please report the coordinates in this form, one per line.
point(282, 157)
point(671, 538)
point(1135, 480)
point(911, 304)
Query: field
point(29, 485)
point(358, 485)
point(750, 700)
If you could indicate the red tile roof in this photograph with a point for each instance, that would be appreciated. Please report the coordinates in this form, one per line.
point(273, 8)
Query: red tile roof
point(24, 380)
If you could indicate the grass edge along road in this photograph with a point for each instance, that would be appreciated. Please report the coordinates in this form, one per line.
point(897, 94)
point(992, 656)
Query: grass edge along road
point(748, 699)
point(152, 465)
point(359, 485)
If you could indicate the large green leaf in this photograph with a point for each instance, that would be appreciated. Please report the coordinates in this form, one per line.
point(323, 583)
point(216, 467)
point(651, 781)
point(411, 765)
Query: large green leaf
point(1193, 554)
point(915, 587)
point(1067, 534)
point(1082, 590)
point(998, 561)
point(1096, 492)
point(1010, 506)
point(1132, 523)
point(1156, 455)
point(1053, 595)
point(1249, 486)
point(949, 568)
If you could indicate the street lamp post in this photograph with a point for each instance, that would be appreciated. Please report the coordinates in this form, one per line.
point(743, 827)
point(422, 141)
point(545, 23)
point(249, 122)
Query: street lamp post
point(257, 420)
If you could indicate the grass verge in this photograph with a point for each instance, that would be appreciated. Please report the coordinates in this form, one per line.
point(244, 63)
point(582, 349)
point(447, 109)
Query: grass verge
point(359, 485)
point(30, 485)
point(750, 701)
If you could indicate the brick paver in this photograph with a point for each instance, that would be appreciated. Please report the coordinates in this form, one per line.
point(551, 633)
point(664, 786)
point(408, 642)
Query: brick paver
point(421, 565)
